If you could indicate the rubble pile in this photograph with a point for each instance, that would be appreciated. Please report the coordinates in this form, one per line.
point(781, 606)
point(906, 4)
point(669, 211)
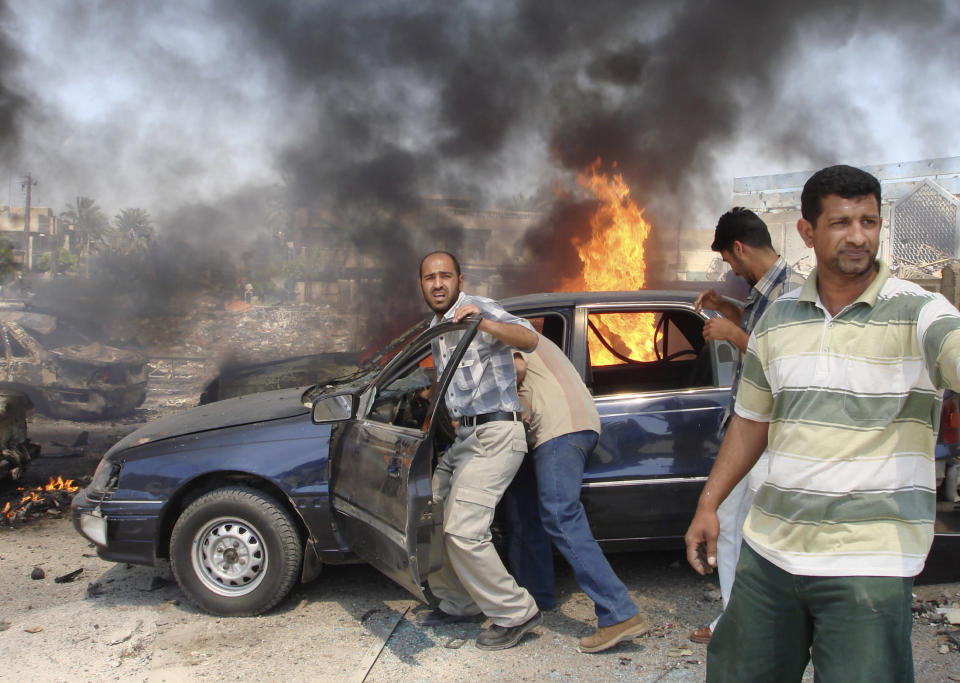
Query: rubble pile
point(945, 610)
point(258, 334)
point(188, 350)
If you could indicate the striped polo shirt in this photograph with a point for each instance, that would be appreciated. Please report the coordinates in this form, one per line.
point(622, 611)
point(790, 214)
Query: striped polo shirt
point(853, 403)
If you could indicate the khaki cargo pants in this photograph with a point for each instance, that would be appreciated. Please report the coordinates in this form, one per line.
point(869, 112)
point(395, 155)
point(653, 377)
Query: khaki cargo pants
point(471, 478)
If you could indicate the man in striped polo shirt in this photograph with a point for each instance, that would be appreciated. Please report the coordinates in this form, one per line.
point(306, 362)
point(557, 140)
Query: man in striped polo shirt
point(841, 389)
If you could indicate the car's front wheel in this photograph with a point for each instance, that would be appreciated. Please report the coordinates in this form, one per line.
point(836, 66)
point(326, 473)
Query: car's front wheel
point(235, 551)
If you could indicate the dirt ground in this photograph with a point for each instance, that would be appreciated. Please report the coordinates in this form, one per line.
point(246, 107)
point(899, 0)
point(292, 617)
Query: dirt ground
point(124, 622)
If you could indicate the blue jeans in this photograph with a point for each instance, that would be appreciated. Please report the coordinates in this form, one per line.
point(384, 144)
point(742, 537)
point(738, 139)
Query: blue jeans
point(554, 470)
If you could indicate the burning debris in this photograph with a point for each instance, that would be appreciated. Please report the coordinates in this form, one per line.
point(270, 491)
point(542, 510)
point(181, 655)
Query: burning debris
point(27, 504)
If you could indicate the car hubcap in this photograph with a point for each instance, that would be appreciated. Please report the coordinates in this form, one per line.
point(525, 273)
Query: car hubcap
point(229, 556)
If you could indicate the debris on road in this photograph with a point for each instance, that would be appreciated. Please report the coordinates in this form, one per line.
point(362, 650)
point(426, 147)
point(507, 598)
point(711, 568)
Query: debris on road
point(69, 577)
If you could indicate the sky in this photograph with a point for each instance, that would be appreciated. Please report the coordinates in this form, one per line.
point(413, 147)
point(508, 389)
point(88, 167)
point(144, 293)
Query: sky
point(362, 109)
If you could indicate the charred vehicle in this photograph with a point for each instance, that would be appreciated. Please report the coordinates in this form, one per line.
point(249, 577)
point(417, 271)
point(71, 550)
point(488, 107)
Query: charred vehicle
point(249, 495)
point(64, 374)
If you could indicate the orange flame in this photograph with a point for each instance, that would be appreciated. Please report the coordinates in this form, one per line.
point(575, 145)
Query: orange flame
point(34, 495)
point(61, 484)
point(613, 259)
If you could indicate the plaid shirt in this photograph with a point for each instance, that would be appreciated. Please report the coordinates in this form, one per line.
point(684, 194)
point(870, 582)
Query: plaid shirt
point(485, 380)
point(776, 281)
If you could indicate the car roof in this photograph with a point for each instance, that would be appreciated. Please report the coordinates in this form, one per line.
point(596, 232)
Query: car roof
point(552, 299)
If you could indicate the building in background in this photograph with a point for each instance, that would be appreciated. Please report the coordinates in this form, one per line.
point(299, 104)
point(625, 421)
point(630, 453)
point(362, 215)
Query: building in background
point(920, 210)
point(488, 242)
point(47, 231)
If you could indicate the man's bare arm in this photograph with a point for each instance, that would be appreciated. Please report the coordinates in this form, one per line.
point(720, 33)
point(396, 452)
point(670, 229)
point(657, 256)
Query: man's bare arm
point(725, 330)
point(741, 448)
point(511, 334)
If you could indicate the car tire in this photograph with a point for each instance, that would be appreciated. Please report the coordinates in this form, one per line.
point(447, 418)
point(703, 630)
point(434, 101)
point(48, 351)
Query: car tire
point(235, 552)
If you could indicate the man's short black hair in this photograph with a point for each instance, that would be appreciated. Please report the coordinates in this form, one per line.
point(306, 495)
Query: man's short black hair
point(456, 263)
point(740, 225)
point(845, 181)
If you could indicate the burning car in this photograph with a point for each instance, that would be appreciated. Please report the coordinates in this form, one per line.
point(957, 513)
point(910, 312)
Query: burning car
point(64, 374)
point(249, 495)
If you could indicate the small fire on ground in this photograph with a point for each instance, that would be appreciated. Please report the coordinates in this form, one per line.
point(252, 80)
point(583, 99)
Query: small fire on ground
point(613, 259)
point(28, 503)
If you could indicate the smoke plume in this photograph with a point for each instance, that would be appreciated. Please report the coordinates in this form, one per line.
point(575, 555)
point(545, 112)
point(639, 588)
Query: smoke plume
point(361, 111)
point(13, 105)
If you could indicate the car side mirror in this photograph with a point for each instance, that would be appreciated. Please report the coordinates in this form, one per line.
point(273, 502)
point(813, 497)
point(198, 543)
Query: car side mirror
point(333, 408)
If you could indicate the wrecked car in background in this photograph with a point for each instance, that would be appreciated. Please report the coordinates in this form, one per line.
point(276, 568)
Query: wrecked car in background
point(63, 373)
point(249, 495)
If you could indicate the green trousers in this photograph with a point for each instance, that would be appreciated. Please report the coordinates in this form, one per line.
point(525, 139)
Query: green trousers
point(855, 628)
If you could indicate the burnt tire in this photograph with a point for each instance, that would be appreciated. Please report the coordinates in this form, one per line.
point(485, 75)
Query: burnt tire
point(235, 552)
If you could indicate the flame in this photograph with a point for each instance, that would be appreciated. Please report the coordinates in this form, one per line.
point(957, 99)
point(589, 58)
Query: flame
point(61, 484)
point(613, 259)
point(35, 495)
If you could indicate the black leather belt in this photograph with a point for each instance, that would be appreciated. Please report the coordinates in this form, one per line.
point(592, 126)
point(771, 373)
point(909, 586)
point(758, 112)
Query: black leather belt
point(499, 416)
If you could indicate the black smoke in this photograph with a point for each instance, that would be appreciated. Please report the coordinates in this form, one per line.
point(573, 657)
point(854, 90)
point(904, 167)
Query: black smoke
point(13, 105)
point(424, 98)
point(374, 108)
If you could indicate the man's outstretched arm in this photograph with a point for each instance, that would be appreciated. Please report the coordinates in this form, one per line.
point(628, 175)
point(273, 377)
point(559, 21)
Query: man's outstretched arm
point(741, 448)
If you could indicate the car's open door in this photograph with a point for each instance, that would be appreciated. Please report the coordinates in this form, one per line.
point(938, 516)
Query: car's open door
point(382, 459)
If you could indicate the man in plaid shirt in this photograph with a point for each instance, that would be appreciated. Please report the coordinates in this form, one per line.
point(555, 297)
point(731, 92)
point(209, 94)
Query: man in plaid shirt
point(473, 474)
point(742, 239)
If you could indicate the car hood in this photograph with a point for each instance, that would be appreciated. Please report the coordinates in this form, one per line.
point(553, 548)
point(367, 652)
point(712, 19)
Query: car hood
point(233, 412)
point(99, 355)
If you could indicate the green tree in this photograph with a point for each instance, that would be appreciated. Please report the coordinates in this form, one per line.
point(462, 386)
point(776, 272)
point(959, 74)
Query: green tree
point(89, 223)
point(134, 229)
point(66, 262)
point(8, 263)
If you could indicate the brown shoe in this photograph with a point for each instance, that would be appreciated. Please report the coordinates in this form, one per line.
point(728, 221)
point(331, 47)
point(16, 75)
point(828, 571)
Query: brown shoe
point(606, 637)
point(701, 635)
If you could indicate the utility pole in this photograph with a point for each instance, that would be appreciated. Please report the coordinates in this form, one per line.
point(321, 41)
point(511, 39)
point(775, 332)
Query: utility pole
point(28, 183)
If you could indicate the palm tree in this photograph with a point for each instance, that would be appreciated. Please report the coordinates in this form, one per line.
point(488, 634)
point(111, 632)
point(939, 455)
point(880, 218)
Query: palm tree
point(89, 223)
point(134, 225)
